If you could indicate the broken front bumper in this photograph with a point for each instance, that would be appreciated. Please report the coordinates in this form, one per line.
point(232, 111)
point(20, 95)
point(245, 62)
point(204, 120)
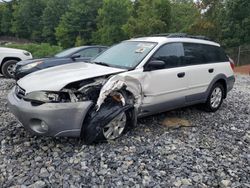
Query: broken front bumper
point(49, 119)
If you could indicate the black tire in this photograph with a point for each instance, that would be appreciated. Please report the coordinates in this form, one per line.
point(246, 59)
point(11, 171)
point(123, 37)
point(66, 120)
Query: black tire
point(6, 68)
point(214, 100)
point(93, 127)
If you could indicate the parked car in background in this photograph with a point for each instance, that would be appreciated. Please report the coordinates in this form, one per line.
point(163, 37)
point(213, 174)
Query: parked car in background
point(101, 99)
point(9, 58)
point(72, 55)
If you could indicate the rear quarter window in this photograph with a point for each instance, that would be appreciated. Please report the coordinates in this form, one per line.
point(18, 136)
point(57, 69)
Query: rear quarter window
point(215, 54)
point(202, 54)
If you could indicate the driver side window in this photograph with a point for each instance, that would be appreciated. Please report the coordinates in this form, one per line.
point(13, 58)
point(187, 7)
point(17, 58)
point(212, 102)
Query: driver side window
point(171, 54)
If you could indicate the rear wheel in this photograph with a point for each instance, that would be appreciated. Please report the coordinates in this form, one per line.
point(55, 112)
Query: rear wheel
point(215, 98)
point(8, 68)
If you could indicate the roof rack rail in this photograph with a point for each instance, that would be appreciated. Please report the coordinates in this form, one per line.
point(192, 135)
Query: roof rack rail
point(181, 35)
point(192, 36)
point(138, 36)
point(161, 35)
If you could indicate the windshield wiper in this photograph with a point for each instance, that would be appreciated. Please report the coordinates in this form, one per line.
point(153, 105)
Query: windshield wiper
point(101, 63)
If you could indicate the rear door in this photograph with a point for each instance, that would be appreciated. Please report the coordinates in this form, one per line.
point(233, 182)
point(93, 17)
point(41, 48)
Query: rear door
point(203, 61)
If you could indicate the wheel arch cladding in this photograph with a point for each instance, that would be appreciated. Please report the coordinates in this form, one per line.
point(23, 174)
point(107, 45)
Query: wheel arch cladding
point(221, 78)
point(8, 59)
point(224, 84)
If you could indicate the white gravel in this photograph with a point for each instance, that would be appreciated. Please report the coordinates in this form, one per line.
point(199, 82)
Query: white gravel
point(213, 152)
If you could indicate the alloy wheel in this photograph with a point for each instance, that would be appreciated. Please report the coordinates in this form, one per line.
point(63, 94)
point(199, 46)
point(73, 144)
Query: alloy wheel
point(216, 97)
point(116, 127)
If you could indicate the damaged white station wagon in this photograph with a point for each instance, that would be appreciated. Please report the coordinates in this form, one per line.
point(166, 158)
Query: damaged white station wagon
point(142, 76)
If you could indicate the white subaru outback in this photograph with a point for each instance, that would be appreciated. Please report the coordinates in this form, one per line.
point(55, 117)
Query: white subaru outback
point(9, 58)
point(99, 100)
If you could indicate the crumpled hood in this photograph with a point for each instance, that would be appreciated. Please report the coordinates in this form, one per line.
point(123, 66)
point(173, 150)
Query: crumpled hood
point(55, 78)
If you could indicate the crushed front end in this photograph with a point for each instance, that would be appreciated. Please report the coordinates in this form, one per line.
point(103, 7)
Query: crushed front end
point(77, 110)
point(63, 117)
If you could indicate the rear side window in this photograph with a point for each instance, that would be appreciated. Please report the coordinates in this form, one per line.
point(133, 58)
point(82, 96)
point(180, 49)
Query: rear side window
point(171, 54)
point(222, 55)
point(194, 54)
point(214, 54)
point(202, 53)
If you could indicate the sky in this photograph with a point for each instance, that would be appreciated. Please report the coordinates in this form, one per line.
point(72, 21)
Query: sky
point(5, 0)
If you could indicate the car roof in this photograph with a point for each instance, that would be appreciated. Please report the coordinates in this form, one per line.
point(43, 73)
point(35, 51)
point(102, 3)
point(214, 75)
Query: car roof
point(83, 47)
point(163, 40)
point(99, 46)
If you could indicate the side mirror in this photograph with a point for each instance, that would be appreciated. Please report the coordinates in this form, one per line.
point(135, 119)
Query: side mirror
point(154, 65)
point(75, 56)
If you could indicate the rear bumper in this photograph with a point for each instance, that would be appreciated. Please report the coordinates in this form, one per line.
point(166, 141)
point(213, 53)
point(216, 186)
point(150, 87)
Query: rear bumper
point(50, 119)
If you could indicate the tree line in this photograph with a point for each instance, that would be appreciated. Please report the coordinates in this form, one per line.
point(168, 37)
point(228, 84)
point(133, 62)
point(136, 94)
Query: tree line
point(80, 22)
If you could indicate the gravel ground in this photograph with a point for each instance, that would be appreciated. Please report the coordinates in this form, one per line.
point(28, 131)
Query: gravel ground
point(213, 152)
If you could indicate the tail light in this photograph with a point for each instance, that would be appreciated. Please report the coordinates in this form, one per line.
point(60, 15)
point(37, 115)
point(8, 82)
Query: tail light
point(232, 63)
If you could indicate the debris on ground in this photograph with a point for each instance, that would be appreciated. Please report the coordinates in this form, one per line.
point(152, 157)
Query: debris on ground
point(173, 122)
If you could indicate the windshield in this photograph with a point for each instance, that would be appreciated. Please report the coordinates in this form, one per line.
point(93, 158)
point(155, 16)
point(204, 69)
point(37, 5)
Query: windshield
point(67, 52)
point(127, 54)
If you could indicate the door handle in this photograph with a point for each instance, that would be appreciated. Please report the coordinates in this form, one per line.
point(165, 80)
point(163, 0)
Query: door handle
point(210, 70)
point(181, 74)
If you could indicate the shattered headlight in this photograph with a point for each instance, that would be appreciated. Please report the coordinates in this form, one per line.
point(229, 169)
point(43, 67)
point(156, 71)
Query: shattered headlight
point(54, 97)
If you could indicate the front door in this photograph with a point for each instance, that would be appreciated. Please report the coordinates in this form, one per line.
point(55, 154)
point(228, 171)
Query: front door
point(165, 88)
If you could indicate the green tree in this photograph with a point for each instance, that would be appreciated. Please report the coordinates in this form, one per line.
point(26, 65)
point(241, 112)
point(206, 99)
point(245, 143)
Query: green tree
point(184, 13)
point(51, 17)
point(151, 17)
point(1, 12)
point(236, 27)
point(78, 23)
point(111, 17)
point(5, 19)
point(210, 20)
point(27, 19)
